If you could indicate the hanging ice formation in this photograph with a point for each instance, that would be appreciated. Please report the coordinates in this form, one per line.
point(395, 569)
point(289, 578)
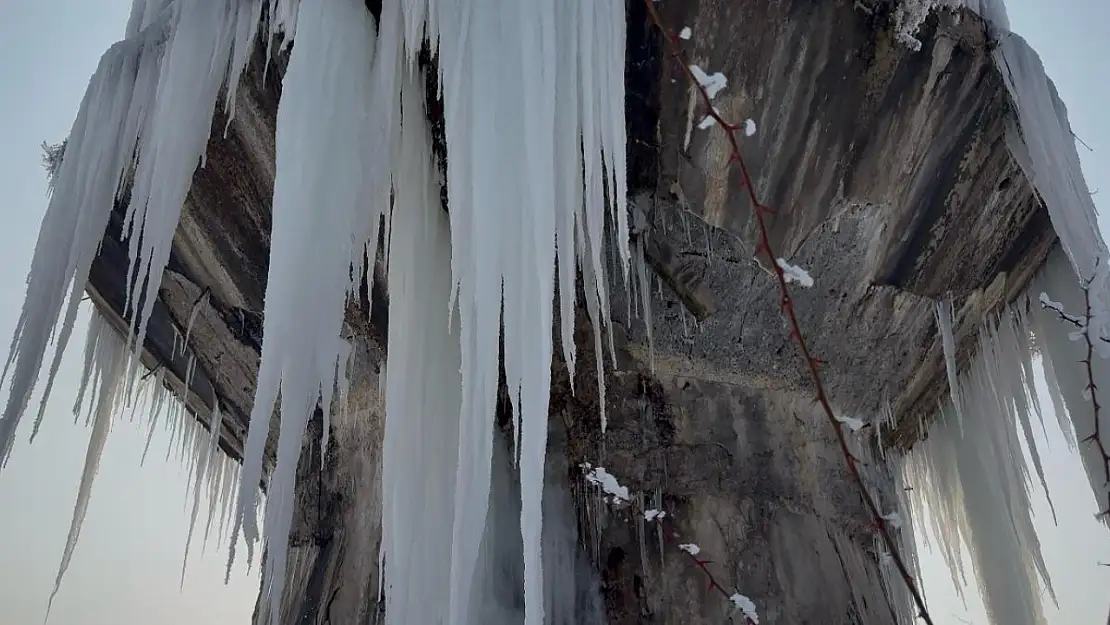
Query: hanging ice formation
point(535, 135)
point(518, 199)
point(108, 385)
point(106, 370)
point(535, 144)
point(142, 126)
point(971, 473)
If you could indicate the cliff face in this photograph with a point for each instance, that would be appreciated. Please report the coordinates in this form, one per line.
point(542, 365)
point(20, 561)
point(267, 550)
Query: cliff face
point(892, 183)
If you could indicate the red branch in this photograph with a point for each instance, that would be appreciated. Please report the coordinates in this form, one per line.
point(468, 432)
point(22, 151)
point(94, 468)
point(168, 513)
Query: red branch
point(703, 566)
point(787, 304)
point(1088, 363)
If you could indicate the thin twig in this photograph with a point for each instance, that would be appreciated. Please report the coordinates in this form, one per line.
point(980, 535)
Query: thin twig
point(1089, 148)
point(152, 371)
point(1096, 408)
point(666, 522)
point(1062, 315)
point(736, 158)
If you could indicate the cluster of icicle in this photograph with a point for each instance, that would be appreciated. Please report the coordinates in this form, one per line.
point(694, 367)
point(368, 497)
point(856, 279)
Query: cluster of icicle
point(535, 137)
point(535, 146)
point(970, 477)
point(111, 387)
point(152, 98)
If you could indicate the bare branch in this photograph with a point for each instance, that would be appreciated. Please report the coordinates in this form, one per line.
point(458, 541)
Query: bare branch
point(1095, 437)
point(690, 551)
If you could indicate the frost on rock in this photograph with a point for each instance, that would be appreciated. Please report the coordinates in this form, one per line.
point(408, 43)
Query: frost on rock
point(852, 423)
point(909, 15)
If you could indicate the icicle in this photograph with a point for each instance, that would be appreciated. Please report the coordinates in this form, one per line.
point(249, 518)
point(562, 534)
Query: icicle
point(948, 343)
point(194, 457)
point(324, 147)
point(422, 430)
point(645, 295)
point(227, 501)
point(207, 457)
point(84, 187)
point(1066, 372)
point(248, 15)
point(203, 300)
point(110, 363)
point(216, 474)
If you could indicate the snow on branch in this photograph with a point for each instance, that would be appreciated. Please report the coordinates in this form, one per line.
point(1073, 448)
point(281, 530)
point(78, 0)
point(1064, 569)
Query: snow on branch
point(1080, 322)
point(784, 276)
point(618, 494)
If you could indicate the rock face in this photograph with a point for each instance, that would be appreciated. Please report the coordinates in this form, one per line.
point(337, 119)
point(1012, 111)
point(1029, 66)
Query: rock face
point(892, 184)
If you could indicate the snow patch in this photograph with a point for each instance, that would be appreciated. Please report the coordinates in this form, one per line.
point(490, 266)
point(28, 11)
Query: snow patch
point(795, 274)
point(608, 483)
point(690, 548)
point(712, 83)
point(745, 605)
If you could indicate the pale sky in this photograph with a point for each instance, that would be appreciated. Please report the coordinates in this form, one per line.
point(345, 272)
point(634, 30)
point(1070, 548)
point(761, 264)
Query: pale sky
point(126, 568)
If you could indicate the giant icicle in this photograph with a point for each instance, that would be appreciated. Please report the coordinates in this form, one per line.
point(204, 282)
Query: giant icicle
point(325, 146)
point(421, 447)
point(515, 192)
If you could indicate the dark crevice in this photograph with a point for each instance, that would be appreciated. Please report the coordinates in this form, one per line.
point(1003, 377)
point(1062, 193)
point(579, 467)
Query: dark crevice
point(642, 74)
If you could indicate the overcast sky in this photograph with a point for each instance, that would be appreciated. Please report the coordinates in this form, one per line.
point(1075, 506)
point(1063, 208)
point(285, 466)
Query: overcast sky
point(126, 568)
